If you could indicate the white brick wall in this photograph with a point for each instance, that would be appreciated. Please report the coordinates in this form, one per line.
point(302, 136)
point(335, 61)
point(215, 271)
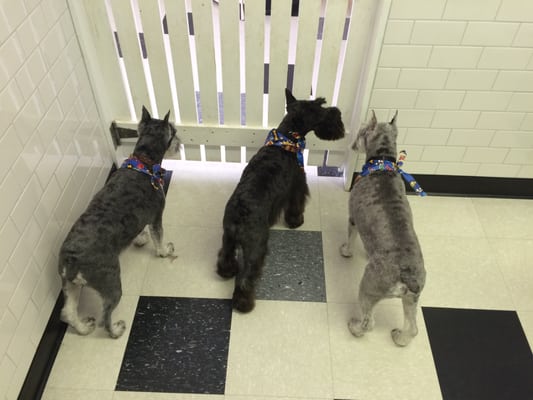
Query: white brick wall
point(461, 75)
point(54, 155)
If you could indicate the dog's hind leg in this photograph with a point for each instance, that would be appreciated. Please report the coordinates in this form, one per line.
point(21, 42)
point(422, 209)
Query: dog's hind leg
point(110, 289)
point(69, 313)
point(156, 231)
point(402, 337)
point(227, 265)
point(346, 248)
point(250, 267)
point(368, 298)
point(365, 321)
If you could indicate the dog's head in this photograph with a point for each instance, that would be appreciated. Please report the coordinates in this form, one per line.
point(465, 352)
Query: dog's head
point(156, 136)
point(377, 139)
point(304, 116)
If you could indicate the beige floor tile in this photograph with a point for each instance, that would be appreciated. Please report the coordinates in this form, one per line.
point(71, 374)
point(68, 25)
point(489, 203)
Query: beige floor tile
point(445, 216)
point(198, 193)
point(193, 273)
point(133, 263)
point(333, 204)
point(506, 218)
point(92, 361)
point(515, 258)
point(463, 272)
point(373, 367)
point(342, 274)
point(78, 394)
point(280, 349)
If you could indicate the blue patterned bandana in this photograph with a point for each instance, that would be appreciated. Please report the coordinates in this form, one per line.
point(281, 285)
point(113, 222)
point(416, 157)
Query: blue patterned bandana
point(386, 165)
point(156, 174)
point(278, 139)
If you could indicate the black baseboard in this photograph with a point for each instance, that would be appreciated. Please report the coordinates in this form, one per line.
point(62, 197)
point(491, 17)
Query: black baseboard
point(473, 186)
point(45, 355)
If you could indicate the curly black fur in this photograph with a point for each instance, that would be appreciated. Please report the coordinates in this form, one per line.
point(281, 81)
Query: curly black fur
point(271, 183)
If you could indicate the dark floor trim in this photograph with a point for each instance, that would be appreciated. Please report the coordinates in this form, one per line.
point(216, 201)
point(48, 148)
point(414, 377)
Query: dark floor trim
point(46, 352)
point(44, 357)
point(474, 186)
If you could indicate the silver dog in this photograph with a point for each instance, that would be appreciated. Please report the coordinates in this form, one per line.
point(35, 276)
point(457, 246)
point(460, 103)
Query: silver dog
point(380, 214)
point(132, 199)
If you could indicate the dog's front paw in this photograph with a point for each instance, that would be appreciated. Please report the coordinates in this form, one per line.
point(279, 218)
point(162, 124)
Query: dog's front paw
point(117, 329)
point(167, 251)
point(345, 250)
point(294, 221)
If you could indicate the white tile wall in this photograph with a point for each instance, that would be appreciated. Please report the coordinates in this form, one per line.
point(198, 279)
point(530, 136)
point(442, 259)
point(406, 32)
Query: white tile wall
point(461, 75)
point(55, 155)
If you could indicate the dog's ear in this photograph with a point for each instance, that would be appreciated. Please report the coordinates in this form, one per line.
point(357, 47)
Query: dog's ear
point(393, 120)
point(145, 115)
point(373, 121)
point(289, 98)
point(166, 117)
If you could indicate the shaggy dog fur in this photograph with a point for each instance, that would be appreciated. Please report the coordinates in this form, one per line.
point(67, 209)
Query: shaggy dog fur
point(273, 182)
point(116, 216)
point(380, 213)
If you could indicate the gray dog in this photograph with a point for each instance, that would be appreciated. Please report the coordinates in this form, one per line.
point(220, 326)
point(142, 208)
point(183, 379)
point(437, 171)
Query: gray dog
point(380, 213)
point(132, 199)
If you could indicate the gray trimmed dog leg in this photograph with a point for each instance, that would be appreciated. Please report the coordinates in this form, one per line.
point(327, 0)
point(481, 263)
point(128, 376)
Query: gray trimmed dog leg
point(156, 231)
point(110, 289)
point(358, 327)
point(69, 313)
point(347, 247)
point(402, 337)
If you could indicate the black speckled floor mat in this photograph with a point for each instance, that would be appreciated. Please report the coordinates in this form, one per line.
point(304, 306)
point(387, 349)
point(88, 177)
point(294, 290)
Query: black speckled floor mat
point(177, 345)
point(294, 267)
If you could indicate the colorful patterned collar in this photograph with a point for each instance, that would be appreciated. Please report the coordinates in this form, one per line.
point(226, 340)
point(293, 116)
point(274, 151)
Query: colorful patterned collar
point(278, 139)
point(384, 164)
point(156, 172)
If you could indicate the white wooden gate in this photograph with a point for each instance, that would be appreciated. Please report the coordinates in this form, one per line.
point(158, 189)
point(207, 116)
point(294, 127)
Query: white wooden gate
point(221, 67)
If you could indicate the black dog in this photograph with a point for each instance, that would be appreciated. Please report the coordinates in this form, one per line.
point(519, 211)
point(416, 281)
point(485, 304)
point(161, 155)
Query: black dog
point(273, 181)
point(117, 215)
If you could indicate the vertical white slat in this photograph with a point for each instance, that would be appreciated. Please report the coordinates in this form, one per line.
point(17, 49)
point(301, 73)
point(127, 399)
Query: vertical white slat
point(375, 34)
point(279, 55)
point(129, 41)
point(359, 37)
point(331, 43)
point(309, 15)
point(203, 34)
point(179, 44)
point(153, 37)
point(254, 37)
point(229, 38)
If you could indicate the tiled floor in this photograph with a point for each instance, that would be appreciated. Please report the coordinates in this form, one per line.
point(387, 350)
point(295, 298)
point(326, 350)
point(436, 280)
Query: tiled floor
point(184, 342)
